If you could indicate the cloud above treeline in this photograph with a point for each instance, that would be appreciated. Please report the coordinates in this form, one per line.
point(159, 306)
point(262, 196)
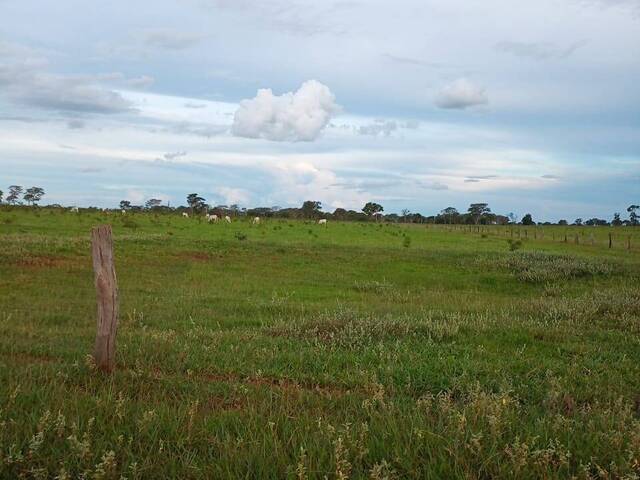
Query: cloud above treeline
point(461, 94)
point(293, 116)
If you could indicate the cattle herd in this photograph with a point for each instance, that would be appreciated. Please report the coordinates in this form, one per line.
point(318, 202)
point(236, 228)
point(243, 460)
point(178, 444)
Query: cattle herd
point(211, 217)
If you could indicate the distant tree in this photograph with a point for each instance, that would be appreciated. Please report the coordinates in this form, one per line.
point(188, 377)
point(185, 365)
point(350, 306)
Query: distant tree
point(152, 203)
point(578, 222)
point(125, 205)
point(592, 222)
point(311, 208)
point(14, 194)
point(634, 218)
point(33, 195)
point(477, 210)
point(563, 222)
point(372, 208)
point(1, 194)
point(450, 214)
point(196, 203)
point(405, 213)
point(528, 220)
point(513, 218)
point(340, 214)
point(616, 222)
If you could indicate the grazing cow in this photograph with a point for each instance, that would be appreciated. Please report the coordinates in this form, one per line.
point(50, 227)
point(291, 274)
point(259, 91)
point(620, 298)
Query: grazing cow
point(256, 220)
point(74, 209)
point(322, 221)
point(227, 219)
point(212, 218)
point(124, 212)
point(185, 214)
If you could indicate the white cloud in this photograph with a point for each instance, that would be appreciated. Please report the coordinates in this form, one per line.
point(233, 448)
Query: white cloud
point(299, 116)
point(233, 196)
point(303, 180)
point(461, 94)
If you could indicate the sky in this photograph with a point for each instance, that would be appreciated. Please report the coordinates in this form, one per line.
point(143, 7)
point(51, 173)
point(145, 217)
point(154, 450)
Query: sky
point(531, 107)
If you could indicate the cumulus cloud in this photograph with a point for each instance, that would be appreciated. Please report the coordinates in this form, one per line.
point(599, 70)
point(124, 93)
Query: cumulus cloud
point(461, 94)
point(293, 116)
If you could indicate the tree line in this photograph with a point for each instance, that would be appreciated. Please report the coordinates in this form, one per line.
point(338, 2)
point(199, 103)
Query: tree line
point(476, 214)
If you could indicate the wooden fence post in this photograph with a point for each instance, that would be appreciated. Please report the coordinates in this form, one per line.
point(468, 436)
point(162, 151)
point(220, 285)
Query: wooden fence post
point(610, 240)
point(107, 295)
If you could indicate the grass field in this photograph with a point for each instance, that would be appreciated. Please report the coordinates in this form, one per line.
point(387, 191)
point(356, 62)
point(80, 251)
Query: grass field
point(288, 350)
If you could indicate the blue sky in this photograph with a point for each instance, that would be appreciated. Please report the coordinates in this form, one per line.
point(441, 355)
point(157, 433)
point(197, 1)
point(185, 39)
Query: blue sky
point(529, 106)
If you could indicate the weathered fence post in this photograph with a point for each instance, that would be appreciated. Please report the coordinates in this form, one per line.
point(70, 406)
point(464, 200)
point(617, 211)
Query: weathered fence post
point(610, 240)
point(107, 295)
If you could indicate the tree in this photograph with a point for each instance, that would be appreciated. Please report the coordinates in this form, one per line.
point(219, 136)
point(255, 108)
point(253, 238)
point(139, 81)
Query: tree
point(1, 194)
point(513, 218)
point(14, 194)
point(616, 222)
point(405, 214)
point(339, 213)
point(563, 222)
point(528, 220)
point(196, 202)
point(33, 195)
point(578, 222)
point(450, 213)
point(311, 208)
point(477, 210)
point(152, 203)
point(372, 208)
point(634, 218)
point(125, 205)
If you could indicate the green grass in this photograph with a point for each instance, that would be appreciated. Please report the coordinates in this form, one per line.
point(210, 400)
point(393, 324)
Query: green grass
point(289, 350)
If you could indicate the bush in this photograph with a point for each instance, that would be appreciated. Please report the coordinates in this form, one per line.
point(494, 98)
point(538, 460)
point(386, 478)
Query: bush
point(241, 236)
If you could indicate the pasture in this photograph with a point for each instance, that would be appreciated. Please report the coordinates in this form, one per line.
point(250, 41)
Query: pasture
point(290, 350)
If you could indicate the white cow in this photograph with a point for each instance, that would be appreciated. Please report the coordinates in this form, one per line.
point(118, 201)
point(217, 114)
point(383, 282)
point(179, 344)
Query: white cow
point(256, 220)
point(212, 218)
point(74, 209)
point(227, 218)
point(124, 212)
point(322, 221)
point(185, 214)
